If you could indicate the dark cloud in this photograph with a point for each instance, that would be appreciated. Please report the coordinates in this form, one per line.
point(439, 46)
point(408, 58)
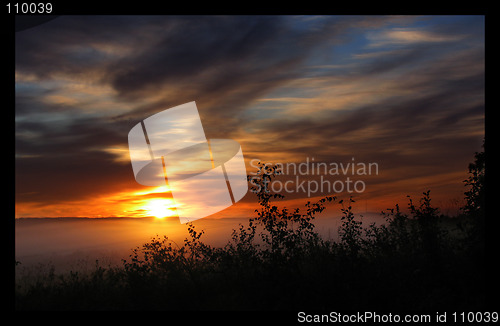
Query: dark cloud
point(61, 153)
point(196, 45)
point(222, 62)
point(81, 177)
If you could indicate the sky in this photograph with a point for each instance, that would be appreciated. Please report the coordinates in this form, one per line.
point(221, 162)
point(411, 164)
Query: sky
point(404, 92)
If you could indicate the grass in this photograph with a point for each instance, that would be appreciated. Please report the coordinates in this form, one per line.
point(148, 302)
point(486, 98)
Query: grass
point(277, 261)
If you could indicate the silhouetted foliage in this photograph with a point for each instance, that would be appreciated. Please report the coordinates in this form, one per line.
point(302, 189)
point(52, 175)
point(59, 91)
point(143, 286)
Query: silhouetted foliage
point(475, 195)
point(285, 232)
point(420, 260)
point(473, 221)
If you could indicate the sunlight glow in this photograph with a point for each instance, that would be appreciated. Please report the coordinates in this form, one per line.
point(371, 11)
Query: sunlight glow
point(152, 190)
point(160, 207)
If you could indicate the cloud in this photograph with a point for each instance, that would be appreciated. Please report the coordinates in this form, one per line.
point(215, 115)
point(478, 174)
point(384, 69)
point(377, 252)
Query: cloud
point(407, 92)
point(406, 36)
point(418, 112)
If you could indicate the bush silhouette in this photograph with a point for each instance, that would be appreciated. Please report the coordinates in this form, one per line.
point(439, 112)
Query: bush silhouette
point(421, 260)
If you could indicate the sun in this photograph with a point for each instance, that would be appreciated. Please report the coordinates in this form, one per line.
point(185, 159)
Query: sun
point(160, 207)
